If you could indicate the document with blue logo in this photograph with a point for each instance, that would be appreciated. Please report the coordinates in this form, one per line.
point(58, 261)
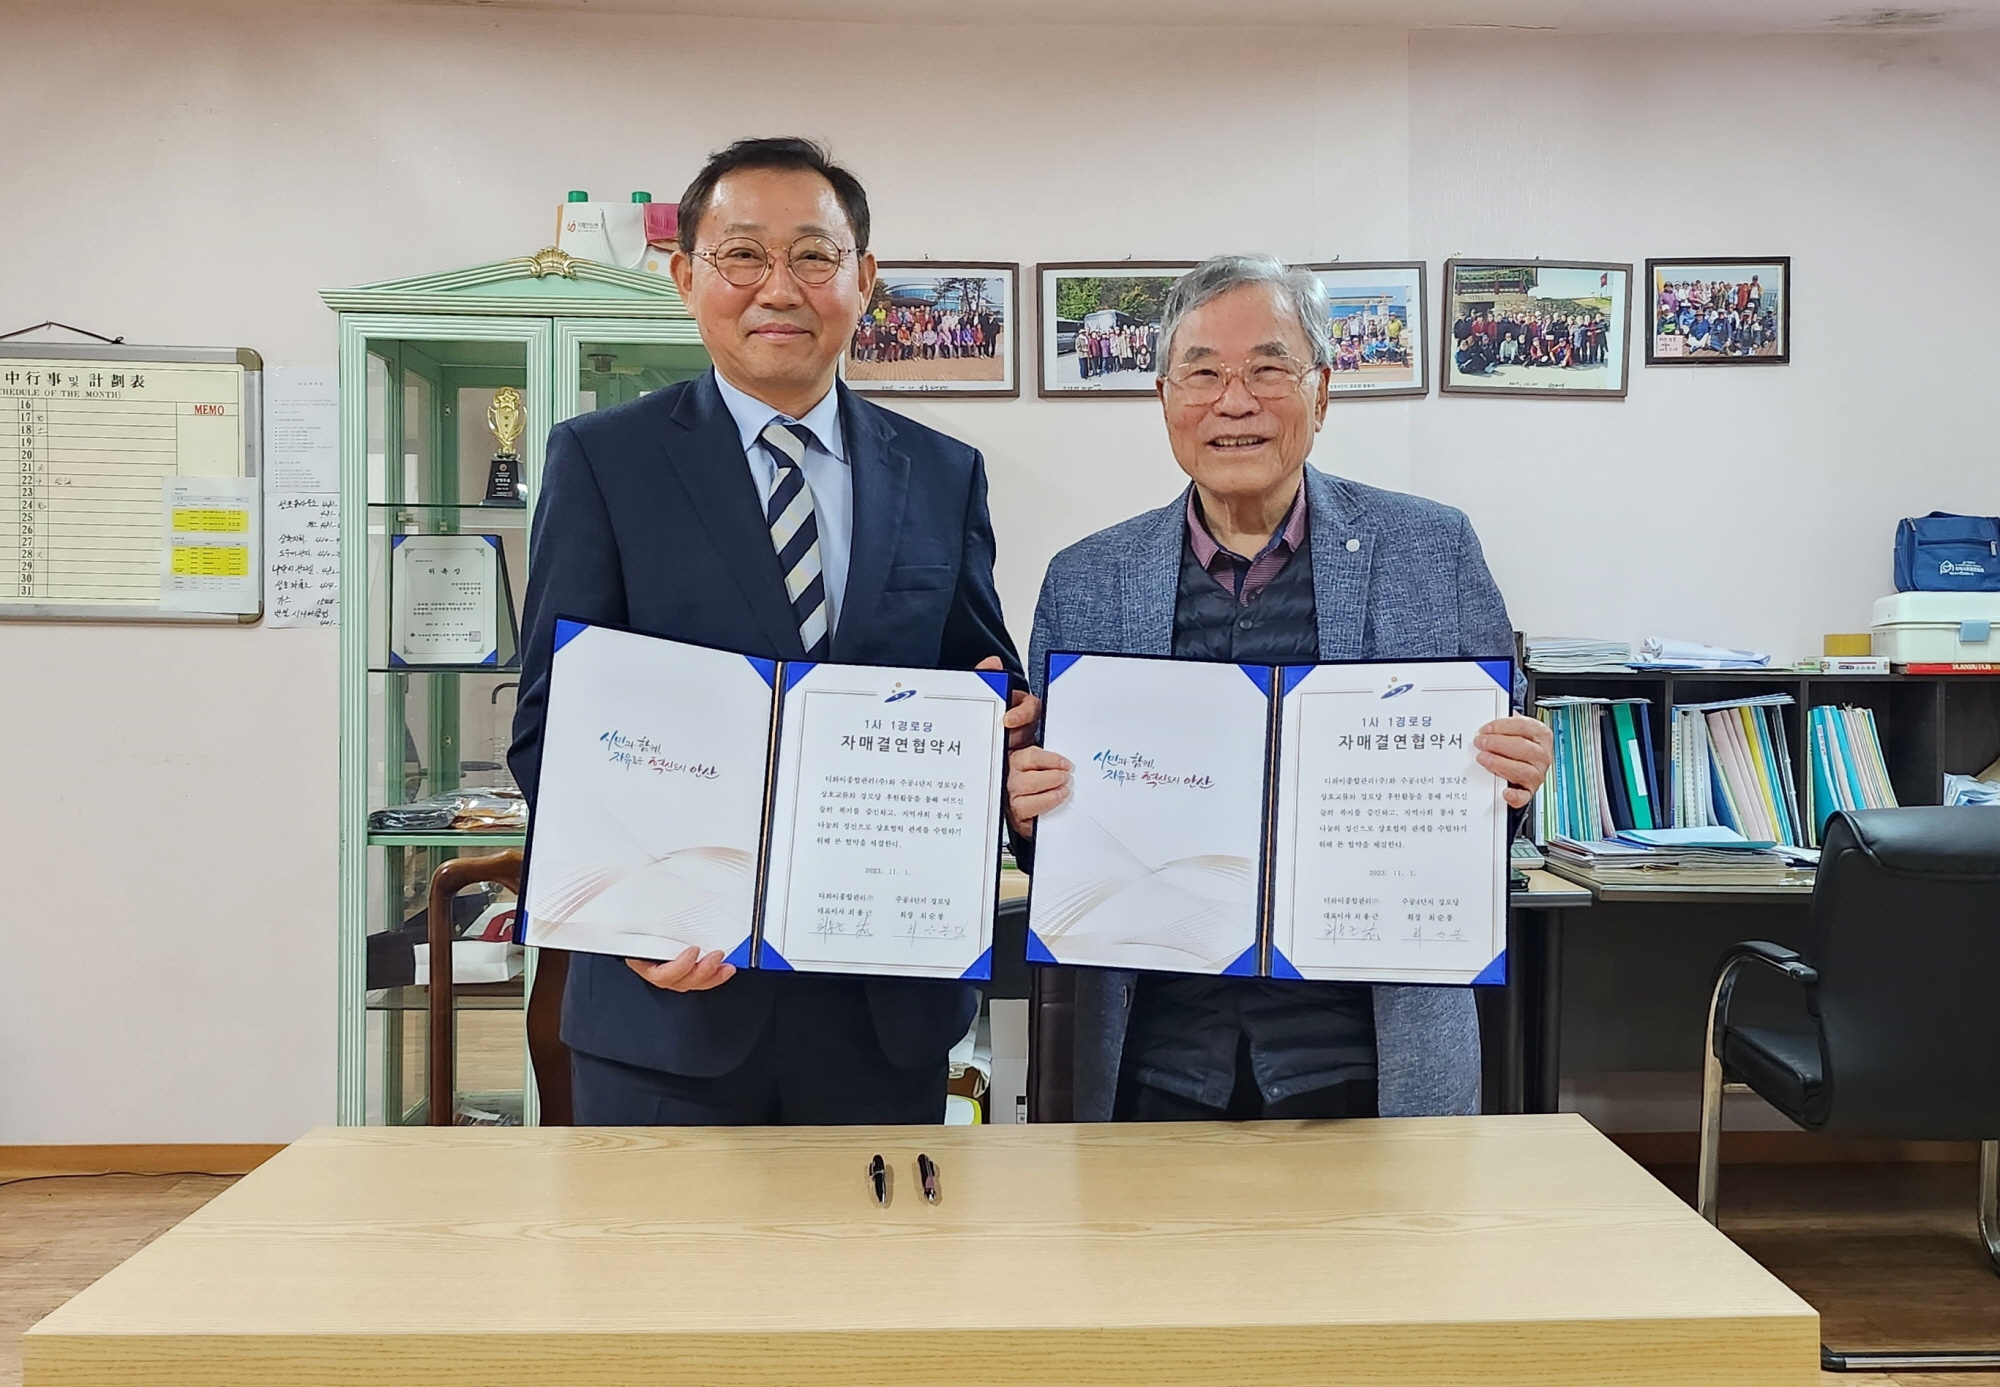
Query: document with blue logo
point(1304, 821)
point(790, 814)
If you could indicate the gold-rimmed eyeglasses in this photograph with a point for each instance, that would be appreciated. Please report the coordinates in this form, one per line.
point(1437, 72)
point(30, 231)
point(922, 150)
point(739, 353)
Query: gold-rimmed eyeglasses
point(743, 261)
point(1267, 378)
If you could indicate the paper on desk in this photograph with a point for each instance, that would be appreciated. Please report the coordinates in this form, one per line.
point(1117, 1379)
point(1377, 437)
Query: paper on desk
point(208, 554)
point(1713, 836)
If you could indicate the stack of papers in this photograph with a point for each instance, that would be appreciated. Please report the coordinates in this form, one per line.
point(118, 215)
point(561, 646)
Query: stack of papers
point(1965, 789)
point(1696, 859)
point(1561, 654)
point(1656, 653)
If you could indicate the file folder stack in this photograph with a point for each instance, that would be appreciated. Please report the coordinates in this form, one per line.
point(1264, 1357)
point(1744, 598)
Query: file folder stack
point(1848, 771)
point(1732, 766)
point(1563, 654)
point(1604, 778)
point(1712, 857)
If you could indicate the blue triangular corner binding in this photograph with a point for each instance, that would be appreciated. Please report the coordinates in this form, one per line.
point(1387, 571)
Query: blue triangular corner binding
point(1059, 663)
point(739, 957)
point(1281, 967)
point(767, 670)
point(1245, 965)
point(567, 631)
point(493, 540)
point(1260, 675)
point(1500, 672)
point(1493, 974)
point(981, 969)
point(996, 680)
point(396, 541)
point(768, 957)
point(1292, 675)
point(1038, 952)
point(797, 670)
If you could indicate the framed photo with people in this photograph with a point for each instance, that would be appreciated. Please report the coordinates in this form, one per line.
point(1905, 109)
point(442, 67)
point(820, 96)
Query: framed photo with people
point(1100, 325)
point(1535, 327)
point(1729, 311)
point(1376, 315)
point(939, 328)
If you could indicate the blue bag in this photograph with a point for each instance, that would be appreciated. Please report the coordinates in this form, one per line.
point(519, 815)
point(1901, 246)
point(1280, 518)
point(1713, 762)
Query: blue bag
point(1948, 553)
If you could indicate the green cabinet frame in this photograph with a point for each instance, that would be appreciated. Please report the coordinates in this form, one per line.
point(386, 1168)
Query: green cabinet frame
point(547, 308)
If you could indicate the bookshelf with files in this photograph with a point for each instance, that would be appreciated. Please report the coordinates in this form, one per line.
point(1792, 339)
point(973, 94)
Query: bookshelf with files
point(1617, 993)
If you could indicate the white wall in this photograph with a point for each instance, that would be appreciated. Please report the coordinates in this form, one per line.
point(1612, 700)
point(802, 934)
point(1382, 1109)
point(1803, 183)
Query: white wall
point(167, 819)
point(1744, 506)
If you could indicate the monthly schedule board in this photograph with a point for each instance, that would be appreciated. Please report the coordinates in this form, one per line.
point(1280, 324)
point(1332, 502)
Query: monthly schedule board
point(90, 440)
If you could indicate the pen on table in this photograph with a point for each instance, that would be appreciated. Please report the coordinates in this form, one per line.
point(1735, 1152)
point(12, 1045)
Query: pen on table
point(878, 1179)
point(927, 1177)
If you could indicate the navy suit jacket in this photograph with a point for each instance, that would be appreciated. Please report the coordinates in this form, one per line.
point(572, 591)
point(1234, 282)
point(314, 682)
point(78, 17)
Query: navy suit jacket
point(648, 518)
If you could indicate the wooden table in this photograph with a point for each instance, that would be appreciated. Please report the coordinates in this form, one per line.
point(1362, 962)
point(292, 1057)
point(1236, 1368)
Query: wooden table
point(1523, 1250)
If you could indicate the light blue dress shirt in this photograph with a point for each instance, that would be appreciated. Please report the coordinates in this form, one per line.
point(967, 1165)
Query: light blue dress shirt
point(828, 477)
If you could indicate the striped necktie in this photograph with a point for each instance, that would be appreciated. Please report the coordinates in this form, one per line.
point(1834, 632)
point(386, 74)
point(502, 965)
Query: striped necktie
point(795, 534)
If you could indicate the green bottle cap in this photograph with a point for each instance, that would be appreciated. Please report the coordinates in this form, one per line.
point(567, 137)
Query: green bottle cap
point(576, 195)
point(642, 197)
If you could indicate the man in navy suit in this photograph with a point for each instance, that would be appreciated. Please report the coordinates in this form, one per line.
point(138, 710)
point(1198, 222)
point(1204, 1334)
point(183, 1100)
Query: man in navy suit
point(763, 508)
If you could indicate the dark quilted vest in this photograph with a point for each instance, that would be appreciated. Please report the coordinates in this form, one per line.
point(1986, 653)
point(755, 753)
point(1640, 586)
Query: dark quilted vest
point(1280, 625)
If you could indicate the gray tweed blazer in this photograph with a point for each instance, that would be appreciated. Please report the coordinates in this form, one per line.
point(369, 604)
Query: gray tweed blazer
point(1395, 577)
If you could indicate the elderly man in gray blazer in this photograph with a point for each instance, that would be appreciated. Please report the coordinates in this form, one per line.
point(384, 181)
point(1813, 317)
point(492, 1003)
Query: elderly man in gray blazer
point(1265, 559)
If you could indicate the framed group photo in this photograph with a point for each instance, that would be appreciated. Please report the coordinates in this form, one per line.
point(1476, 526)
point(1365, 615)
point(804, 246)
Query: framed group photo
point(1710, 311)
point(1542, 327)
point(1376, 316)
point(937, 328)
point(1100, 325)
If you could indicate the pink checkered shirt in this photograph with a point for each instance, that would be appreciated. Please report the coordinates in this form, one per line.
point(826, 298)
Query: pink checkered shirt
point(1247, 577)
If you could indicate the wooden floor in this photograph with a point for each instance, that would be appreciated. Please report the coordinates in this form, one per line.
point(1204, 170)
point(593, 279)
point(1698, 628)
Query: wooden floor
point(1887, 1254)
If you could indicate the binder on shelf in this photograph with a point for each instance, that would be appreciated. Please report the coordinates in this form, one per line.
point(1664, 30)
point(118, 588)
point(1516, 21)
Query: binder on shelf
point(1604, 778)
point(1848, 771)
point(1732, 766)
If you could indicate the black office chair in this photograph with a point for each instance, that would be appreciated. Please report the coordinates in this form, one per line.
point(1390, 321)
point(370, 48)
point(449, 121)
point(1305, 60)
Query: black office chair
point(1899, 980)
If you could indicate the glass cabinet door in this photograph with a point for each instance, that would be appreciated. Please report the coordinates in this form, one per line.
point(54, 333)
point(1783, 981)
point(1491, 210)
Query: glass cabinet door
point(604, 363)
point(445, 570)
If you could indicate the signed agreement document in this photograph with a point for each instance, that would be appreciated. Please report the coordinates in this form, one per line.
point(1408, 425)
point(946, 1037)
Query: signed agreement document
point(793, 815)
point(1305, 821)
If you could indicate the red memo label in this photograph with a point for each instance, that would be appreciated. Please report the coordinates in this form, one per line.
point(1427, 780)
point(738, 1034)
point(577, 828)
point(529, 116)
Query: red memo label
point(210, 409)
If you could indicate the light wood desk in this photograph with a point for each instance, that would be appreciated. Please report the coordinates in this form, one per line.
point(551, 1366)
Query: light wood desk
point(1520, 1250)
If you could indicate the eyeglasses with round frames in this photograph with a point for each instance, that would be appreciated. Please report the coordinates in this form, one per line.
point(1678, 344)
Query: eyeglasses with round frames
point(744, 262)
point(1266, 379)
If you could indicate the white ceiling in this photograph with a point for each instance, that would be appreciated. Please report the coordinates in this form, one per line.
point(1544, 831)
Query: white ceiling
point(1574, 16)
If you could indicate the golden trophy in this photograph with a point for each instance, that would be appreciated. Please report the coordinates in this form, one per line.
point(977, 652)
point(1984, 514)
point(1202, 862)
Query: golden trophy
point(508, 421)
